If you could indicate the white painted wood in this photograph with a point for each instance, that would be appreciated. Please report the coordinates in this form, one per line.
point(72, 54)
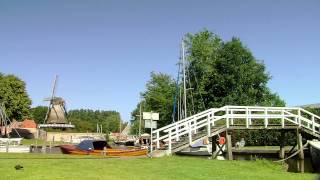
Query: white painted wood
point(190, 133)
point(208, 126)
point(266, 117)
point(158, 143)
point(247, 117)
point(299, 115)
point(282, 118)
point(209, 118)
point(313, 127)
point(170, 143)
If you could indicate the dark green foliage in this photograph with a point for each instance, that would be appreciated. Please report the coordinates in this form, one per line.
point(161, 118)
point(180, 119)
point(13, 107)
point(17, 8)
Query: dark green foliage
point(39, 113)
point(135, 120)
point(220, 73)
point(263, 137)
point(226, 73)
point(87, 120)
point(14, 96)
point(157, 98)
point(314, 110)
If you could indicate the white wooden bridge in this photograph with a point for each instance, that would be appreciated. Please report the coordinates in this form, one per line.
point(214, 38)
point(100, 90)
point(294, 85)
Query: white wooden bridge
point(213, 121)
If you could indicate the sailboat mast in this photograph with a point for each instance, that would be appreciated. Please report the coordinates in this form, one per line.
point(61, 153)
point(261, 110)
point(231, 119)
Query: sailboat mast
point(120, 126)
point(140, 117)
point(184, 79)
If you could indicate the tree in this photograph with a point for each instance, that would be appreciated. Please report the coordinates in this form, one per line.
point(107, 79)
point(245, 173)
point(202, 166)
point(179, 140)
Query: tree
point(87, 120)
point(14, 96)
point(39, 113)
point(226, 73)
point(158, 97)
point(219, 73)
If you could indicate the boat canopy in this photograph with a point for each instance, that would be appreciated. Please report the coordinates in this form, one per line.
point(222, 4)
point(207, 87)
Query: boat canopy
point(89, 145)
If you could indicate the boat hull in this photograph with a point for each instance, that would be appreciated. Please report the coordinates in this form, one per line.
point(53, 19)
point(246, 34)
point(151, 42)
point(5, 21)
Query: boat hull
point(315, 155)
point(71, 149)
point(194, 151)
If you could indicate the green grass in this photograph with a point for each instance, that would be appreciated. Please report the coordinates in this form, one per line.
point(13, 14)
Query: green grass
point(39, 142)
point(89, 167)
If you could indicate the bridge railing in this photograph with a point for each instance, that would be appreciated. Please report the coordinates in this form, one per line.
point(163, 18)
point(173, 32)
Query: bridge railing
point(247, 116)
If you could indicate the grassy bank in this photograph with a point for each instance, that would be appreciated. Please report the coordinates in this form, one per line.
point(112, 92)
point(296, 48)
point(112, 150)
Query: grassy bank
point(90, 167)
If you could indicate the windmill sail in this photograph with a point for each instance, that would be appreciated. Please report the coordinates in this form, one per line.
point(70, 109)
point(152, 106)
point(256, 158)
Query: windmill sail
point(56, 116)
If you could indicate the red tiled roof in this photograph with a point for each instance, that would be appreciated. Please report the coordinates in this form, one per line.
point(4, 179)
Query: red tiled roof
point(28, 123)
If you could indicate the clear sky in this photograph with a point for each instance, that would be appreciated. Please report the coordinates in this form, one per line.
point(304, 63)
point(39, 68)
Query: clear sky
point(104, 51)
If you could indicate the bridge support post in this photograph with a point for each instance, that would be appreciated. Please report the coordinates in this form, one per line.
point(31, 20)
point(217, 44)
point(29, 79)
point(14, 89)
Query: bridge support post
point(208, 126)
point(282, 147)
point(301, 153)
point(229, 146)
point(214, 147)
point(190, 133)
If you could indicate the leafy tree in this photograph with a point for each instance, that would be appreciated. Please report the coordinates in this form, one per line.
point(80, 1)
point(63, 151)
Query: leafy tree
point(158, 97)
point(226, 73)
point(14, 96)
point(87, 120)
point(39, 113)
point(314, 110)
point(219, 73)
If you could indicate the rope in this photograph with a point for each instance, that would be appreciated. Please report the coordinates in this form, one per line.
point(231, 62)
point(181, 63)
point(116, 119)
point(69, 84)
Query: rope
point(293, 153)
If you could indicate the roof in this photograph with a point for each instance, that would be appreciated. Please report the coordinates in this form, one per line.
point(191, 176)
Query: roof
point(28, 123)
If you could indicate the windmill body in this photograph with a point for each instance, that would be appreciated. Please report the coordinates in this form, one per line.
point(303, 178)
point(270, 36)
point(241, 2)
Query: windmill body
point(57, 113)
point(56, 116)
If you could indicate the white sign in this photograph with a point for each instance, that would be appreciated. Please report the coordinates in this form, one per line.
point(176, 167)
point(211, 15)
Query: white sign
point(150, 115)
point(147, 124)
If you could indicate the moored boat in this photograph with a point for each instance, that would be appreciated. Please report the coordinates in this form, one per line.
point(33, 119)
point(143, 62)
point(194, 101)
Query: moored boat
point(314, 147)
point(200, 148)
point(101, 148)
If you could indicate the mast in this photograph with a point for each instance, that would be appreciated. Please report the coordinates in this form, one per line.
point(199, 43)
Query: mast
point(140, 114)
point(184, 79)
point(119, 126)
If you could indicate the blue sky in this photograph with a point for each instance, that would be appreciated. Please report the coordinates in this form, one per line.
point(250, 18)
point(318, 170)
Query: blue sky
point(104, 51)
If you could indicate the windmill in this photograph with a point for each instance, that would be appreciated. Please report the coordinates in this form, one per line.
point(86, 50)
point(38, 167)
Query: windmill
point(56, 116)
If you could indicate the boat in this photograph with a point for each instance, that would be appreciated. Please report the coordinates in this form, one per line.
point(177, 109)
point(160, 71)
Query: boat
point(200, 148)
point(100, 148)
point(314, 147)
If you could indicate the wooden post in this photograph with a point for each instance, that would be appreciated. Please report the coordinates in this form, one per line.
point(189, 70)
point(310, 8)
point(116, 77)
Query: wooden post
point(300, 145)
point(189, 133)
point(214, 146)
point(158, 143)
point(229, 146)
point(170, 145)
point(301, 153)
point(282, 147)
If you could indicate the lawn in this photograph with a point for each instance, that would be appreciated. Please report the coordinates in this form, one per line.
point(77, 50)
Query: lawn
point(39, 166)
point(39, 142)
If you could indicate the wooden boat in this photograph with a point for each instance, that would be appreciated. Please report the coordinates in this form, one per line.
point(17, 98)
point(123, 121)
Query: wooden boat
point(200, 148)
point(314, 147)
point(100, 148)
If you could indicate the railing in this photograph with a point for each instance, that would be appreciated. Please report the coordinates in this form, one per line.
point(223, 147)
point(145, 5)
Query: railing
point(243, 116)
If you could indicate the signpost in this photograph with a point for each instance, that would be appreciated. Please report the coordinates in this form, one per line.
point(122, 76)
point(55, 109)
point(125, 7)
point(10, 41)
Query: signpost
point(151, 119)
